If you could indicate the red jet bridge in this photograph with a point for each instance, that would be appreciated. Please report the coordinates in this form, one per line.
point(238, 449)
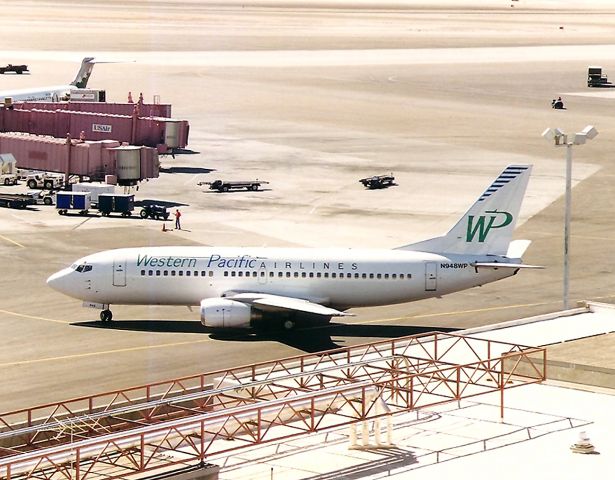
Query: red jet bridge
point(159, 427)
point(98, 121)
point(129, 164)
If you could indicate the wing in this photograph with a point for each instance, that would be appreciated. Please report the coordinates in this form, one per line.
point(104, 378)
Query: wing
point(268, 302)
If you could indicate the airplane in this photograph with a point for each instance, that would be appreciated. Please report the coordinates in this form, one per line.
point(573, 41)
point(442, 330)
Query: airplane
point(54, 93)
point(240, 287)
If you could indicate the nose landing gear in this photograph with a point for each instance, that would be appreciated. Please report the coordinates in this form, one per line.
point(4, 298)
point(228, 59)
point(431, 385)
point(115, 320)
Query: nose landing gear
point(106, 316)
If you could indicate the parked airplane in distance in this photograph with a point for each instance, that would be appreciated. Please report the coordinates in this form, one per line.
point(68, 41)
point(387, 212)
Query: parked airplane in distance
point(238, 286)
point(54, 93)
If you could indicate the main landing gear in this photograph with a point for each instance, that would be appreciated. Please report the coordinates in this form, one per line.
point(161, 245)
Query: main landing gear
point(106, 316)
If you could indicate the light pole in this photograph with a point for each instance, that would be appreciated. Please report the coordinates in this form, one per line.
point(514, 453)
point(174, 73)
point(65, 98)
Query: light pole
point(561, 139)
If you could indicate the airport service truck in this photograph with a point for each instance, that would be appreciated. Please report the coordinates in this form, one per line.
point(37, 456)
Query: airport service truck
point(46, 180)
point(95, 189)
point(8, 169)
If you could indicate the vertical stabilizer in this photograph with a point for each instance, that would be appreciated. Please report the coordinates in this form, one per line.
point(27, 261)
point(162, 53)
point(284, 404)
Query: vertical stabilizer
point(83, 75)
point(487, 227)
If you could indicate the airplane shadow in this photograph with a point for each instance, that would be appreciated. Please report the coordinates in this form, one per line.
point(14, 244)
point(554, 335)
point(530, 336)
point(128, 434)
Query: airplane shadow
point(309, 339)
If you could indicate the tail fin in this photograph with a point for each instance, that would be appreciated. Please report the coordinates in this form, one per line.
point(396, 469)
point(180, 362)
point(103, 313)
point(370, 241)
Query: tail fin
point(83, 75)
point(487, 227)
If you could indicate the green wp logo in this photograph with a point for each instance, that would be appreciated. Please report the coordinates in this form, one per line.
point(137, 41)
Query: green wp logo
point(483, 224)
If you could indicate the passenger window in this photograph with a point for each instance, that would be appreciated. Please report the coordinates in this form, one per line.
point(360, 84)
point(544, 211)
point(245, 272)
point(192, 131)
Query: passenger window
point(181, 273)
point(240, 274)
point(364, 275)
point(287, 274)
point(143, 272)
point(401, 276)
point(233, 273)
point(409, 275)
point(371, 275)
point(311, 274)
point(166, 273)
point(326, 275)
point(271, 274)
point(386, 275)
point(150, 273)
point(334, 275)
point(318, 275)
point(157, 273)
point(394, 276)
point(248, 274)
point(296, 275)
point(225, 273)
point(379, 275)
point(303, 274)
point(172, 273)
point(280, 274)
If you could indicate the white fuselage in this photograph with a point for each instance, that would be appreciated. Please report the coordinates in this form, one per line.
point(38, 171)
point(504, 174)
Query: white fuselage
point(38, 94)
point(340, 278)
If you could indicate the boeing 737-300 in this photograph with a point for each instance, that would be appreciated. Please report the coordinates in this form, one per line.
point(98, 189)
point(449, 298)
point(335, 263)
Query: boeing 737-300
point(54, 93)
point(236, 286)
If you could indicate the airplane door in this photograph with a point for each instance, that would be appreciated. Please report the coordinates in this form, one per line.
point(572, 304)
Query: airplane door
point(119, 273)
point(431, 276)
point(262, 276)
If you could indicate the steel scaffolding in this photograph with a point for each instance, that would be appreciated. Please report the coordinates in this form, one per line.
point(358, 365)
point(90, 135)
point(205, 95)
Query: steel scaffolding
point(184, 421)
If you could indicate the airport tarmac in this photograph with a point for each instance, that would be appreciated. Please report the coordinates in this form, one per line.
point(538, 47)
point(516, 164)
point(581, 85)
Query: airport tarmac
point(311, 97)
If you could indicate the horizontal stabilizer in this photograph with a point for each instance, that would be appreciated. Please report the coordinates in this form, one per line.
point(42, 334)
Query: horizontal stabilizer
point(278, 302)
point(497, 265)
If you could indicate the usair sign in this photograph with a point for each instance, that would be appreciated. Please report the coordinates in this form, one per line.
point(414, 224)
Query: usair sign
point(101, 128)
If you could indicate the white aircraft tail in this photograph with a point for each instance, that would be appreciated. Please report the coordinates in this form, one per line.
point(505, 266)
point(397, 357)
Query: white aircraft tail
point(83, 75)
point(487, 227)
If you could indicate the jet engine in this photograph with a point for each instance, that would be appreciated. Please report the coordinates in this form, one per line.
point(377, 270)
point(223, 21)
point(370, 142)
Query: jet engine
point(225, 313)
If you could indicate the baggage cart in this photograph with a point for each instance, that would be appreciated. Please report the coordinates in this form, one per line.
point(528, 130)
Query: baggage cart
point(73, 202)
point(116, 203)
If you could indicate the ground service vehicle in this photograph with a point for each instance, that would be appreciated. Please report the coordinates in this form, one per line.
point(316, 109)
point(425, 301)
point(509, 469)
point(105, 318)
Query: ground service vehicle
point(42, 197)
point(595, 77)
point(227, 185)
point(73, 201)
point(95, 189)
point(46, 180)
point(116, 203)
point(8, 169)
point(378, 181)
point(18, 69)
point(15, 200)
point(154, 211)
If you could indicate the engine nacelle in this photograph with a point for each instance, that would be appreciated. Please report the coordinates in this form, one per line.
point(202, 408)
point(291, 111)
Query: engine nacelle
point(225, 313)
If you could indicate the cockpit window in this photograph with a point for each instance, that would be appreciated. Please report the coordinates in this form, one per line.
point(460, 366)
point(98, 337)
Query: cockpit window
point(82, 268)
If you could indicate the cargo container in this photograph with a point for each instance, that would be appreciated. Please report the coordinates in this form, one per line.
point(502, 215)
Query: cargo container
point(73, 201)
point(116, 203)
point(95, 189)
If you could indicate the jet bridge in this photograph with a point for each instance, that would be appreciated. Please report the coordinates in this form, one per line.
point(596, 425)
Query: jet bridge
point(164, 426)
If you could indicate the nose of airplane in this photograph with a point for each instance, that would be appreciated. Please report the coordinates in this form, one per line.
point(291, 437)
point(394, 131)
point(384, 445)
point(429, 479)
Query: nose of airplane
point(59, 280)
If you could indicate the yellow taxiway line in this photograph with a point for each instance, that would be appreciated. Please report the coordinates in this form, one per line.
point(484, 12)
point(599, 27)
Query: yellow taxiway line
point(12, 241)
point(33, 317)
point(103, 352)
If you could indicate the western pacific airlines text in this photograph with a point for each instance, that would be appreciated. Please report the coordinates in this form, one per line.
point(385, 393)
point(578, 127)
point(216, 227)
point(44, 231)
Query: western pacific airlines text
point(243, 261)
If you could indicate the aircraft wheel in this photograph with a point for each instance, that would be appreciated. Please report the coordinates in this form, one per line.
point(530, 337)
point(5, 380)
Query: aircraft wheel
point(288, 324)
point(106, 316)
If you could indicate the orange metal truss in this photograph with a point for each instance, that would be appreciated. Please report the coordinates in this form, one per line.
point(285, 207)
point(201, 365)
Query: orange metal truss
point(184, 421)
